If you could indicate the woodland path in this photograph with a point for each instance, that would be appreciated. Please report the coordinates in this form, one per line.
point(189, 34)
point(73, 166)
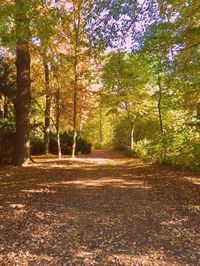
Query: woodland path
point(102, 209)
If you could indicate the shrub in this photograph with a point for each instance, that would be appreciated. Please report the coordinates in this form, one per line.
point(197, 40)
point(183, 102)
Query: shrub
point(181, 149)
point(83, 146)
point(37, 146)
point(140, 148)
point(66, 140)
point(7, 142)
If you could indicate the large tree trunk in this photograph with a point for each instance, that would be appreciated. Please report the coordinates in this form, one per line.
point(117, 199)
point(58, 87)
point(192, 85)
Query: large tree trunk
point(47, 109)
point(22, 151)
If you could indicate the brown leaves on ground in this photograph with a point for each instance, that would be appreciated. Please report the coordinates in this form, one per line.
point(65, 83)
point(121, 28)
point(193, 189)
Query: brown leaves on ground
point(102, 209)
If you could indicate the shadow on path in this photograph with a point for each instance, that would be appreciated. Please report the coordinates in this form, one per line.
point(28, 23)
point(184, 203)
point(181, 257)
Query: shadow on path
point(103, 209)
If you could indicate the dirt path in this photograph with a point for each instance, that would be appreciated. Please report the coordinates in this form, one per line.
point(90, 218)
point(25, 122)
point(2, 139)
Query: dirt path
point(102, 209)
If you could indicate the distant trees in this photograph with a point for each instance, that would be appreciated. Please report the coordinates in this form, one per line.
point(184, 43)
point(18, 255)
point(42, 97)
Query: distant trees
point(148, 113)
point(125, 78)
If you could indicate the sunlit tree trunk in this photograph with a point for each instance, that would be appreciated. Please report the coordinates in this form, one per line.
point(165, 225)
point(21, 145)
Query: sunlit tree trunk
point(58, 121)
point(1, 107)
point(47, 108)
point(75, 117)
point(6, 107)
point(100, 127)
point(159, 103)
point(58, 141)
point(132, 136)
point(22, 149)
point(75, 72)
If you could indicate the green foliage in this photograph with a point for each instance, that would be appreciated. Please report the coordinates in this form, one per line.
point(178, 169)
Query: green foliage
point(175, 148)
point(121, 140)
point(131, 91)
point(144, 129)
point(98, 130)
point(7, 78)
point(7, 125)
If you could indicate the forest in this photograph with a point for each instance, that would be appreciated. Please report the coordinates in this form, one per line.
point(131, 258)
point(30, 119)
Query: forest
point(122, 75)
point(99, 132)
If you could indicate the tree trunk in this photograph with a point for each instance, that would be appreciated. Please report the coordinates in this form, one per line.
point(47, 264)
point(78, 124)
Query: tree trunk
point(6, 107)
point(74, 143)
point(59, 145)
point(22, 151)
point(75, 72)
point(159, 104)
point(58, 122)
point(1, 107)
point(47, 109)
point(198, 110)
point(22, 148)
point(74, 120)
point(132, 136)
point(100, 127)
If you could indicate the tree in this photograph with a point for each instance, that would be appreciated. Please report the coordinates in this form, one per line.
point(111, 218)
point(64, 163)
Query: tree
point(47, 106)
point(22, 153)
point(21, 36)
point(57, 111)
point(124, 87)
point(79, 57)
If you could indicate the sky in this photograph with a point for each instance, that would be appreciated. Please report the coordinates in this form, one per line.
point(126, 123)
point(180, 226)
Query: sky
point(129, 42)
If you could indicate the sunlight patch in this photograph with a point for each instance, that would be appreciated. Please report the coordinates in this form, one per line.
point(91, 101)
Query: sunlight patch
point(194, 180)
point(46, 190)
point(103, 182)
point(20, 206)
point(93, 160)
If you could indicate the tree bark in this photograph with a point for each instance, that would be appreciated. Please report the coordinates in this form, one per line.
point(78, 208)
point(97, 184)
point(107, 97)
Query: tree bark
point(6, 107)
point(1, 107)
point(58, 121)
point(59, 144)
point(75, 119)
point(198, 110)
point(47, 109)
point(100, 127)
point(159, 104)
point(22, 149)
point(132, 136)
point(75, 72)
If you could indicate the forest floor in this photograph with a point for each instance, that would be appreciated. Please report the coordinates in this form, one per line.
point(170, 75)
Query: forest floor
point(101, 209)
